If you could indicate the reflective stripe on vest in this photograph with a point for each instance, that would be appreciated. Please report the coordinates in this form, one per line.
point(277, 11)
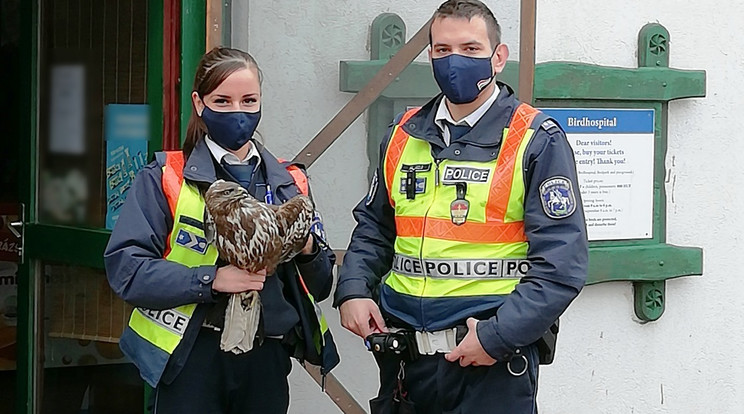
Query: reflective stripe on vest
point(186, 245)
point(493, 233)
point(461, 268)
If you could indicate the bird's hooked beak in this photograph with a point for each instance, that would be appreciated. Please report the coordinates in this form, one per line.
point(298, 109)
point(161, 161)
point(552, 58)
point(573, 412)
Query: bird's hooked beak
point(223, 188)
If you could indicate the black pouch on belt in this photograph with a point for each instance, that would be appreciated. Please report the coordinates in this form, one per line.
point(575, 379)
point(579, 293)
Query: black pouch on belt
point(546, 344)
point(401, 343)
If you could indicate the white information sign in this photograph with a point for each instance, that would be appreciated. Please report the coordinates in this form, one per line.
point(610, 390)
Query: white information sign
point(614, 151)
point(67, 123)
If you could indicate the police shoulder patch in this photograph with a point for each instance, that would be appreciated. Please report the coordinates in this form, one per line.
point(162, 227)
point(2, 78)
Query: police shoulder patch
point(372, 190)
point(558, 199)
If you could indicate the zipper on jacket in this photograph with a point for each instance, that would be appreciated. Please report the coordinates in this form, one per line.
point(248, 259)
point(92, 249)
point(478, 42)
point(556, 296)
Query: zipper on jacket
point(436, 173)
point(423, 237)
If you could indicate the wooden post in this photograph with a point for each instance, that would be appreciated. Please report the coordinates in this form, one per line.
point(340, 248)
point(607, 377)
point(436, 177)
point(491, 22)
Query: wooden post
point(528, 19)
point(359, 103)
point(214, 24)
point(171, 72)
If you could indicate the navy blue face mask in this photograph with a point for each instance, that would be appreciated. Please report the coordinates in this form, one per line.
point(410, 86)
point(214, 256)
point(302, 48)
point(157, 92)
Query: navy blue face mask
point(462, 78)
point(230, 130)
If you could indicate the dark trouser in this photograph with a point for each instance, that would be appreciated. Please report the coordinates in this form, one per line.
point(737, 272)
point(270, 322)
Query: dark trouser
point(436, 386)
point(216, 382)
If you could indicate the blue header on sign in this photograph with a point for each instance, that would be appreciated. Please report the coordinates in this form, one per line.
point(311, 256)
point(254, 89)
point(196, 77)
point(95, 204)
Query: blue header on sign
point(126, 121)
point(604, 121)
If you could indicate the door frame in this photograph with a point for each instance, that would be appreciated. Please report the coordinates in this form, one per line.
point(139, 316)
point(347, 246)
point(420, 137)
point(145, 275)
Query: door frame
point(173, 33)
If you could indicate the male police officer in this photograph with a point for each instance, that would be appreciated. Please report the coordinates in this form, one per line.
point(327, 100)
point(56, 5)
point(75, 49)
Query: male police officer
point(475, 213)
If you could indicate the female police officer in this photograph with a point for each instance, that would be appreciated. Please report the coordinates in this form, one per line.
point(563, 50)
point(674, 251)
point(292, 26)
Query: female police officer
point(158, 258)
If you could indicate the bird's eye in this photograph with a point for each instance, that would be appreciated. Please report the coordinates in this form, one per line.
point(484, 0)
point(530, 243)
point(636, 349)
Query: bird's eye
point(226, 192)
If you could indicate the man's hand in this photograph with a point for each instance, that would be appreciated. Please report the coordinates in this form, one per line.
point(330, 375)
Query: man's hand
point(362, 317)
point(470, 351)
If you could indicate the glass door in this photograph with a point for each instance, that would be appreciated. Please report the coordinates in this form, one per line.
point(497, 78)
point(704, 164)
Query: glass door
point(91, 70)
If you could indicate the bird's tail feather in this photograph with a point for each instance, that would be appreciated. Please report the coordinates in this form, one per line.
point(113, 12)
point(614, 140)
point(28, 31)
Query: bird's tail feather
point(242, 319)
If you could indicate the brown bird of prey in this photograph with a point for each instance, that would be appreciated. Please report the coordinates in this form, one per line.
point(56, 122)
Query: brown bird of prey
point(252, 236)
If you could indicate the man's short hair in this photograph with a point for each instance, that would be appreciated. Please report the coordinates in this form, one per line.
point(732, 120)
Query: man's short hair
point(468, 9)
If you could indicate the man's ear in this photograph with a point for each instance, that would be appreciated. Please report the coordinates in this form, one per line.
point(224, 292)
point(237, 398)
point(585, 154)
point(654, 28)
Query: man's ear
point(198, 103)
point(500, 55)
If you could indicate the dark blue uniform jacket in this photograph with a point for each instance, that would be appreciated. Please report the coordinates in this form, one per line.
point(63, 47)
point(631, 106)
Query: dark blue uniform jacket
point(558, 248)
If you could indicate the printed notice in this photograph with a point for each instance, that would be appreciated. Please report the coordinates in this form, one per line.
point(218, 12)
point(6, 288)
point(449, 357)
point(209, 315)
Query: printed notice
point(614, 151)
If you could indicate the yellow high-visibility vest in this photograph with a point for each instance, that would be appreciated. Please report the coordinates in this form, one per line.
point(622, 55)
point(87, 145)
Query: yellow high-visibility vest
point(447, 248)
point(187, 245)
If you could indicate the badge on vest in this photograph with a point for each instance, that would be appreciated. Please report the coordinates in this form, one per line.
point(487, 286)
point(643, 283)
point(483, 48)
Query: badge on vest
point(420, 186)
point(191, 241)
point(410, 185)
point(455, 174)
point(460, 207)
point(557, 197)
point(416, 167)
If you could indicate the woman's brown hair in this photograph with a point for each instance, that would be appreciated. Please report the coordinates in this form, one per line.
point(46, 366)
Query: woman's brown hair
point(214, 68)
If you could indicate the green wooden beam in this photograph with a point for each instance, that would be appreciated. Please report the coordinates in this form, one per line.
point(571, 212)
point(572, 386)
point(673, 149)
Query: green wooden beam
point(647, 263)
point(566, 80)
point(649, 300)
point(193, 43)
point(155, 74)
point(417, 81)
point(553, 80)
point(28, 354)
point(63, 244)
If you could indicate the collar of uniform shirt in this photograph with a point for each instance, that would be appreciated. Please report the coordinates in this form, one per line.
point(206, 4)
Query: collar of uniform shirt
point(443, 114)
point(220, 154)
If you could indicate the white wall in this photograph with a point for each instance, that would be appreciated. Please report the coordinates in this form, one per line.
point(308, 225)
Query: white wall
point(687, 362)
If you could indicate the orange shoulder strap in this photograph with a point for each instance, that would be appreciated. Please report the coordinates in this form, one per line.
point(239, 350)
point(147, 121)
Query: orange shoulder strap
point(173, 177)
point(394, 151)
point(299, 177)
point(501, 185)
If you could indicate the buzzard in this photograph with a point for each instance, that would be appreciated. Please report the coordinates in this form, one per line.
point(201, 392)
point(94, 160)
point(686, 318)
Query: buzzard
point(253, 236)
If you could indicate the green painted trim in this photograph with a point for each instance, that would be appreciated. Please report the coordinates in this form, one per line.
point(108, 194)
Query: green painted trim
point(26, 352)
point(416, 81)
point(63, 244)
point(387, 36)
point(379, 117)
point(226, 23)
point(193, 43)
point(553, 80)
point(653, 46)
point(649, 300)
point(155, 74)
point(643, 263)
point(565, 80)
point(28, 101)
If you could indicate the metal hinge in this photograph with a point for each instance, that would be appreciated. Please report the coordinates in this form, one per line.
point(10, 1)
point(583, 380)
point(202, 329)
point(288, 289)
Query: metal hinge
point(17, 228)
